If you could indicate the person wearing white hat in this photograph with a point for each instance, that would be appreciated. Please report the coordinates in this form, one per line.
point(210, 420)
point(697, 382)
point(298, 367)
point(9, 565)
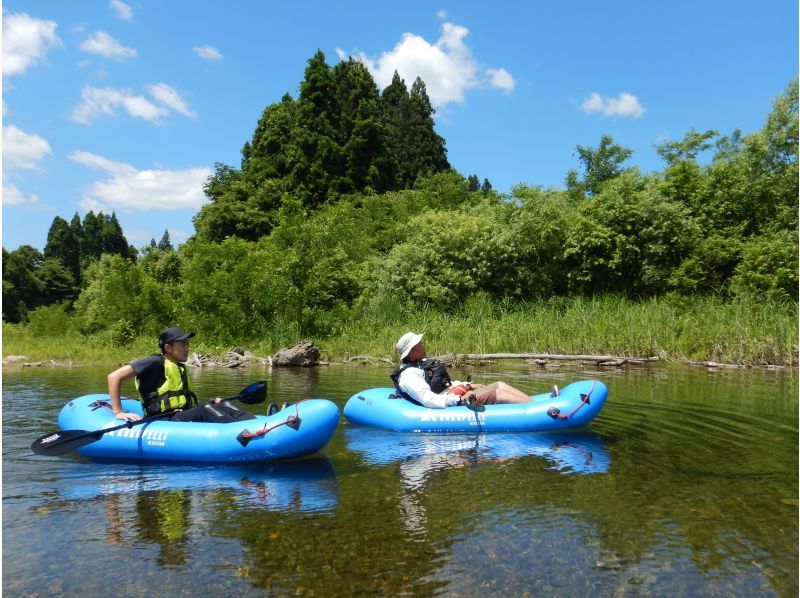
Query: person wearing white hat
point(426, 381)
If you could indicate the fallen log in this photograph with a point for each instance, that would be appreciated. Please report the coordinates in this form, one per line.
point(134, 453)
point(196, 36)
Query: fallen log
point(364, 359)
point(610, 359)
point(715, 364)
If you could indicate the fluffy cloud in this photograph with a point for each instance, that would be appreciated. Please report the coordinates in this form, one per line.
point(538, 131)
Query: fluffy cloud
point(207, 52)
point(127, 188)
point(12, 196)
point(25, 42)
point(123, 10)
point(625, 105)
point(446, 66)
point(99, 101)
point(170, 98)
point(501, 79)
point(103, 44)
point(22, 150)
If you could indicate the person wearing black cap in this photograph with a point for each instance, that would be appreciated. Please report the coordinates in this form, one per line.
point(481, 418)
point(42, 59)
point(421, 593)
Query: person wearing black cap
point(163, 385)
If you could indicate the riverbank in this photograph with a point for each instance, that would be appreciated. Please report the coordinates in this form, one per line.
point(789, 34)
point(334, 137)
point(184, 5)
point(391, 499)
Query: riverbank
point(742, 332)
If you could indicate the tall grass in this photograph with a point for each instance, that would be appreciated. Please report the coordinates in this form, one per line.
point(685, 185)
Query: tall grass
point(742, 331)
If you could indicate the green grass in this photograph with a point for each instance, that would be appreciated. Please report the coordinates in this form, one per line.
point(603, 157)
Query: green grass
point(740, 331)
point(735, 331)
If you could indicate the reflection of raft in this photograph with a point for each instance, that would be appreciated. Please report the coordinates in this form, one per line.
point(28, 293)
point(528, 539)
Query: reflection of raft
point(576, 405)
point(568, 452)
point(300, 429)
point(302, 485)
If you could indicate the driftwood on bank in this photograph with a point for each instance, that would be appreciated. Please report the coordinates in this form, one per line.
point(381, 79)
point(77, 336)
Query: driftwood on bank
point(365, 359)
point(38, 364)
point(234, 358)
point(543, 359)
point(731, 366)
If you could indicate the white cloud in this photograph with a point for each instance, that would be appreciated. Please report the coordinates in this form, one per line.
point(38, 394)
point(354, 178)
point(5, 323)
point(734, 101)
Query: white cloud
point(625, 105)
point(446, 66)
point(207, 52)
point(12, 196)
point(127, 188)
point(26, 40)
point(99, 101)
point(123, 10)
point(22, 150)
point(441, 14)
point(501, 79)
point(170, 98)
point(103, 44)
point(118, 169)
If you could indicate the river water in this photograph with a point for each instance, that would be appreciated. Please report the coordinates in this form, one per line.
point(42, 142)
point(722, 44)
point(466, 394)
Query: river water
point(685, 484)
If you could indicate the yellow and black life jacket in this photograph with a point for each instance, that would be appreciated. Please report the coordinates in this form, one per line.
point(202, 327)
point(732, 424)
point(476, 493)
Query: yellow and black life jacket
point(174, 392)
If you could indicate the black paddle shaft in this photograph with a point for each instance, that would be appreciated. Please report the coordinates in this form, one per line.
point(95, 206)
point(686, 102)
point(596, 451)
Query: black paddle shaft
point(58, 443)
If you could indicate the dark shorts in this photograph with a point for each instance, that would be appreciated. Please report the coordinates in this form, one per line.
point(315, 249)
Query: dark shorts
point(219, 413)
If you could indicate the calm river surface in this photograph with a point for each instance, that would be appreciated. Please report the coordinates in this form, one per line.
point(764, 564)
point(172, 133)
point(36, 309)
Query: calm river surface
point(686, 484)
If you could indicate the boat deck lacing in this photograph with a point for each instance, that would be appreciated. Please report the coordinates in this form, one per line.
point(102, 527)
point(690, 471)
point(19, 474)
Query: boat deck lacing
point(293, 421)
point(555, 412)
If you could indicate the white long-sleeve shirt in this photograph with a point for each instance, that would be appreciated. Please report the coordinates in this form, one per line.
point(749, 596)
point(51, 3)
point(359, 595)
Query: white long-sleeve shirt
point(412, 381)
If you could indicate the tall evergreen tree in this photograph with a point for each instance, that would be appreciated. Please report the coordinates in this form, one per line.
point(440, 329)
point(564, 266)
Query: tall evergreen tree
point(317, 156)
point(266, 156)
point(165, 244)
point(339, 136)
point(114, 241)
point(64, 245)
point(91, 237)
point(426, 150)
point(361, 131)
point(395, 106)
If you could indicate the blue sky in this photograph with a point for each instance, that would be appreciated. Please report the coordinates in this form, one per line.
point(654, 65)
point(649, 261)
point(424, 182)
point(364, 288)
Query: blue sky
point(125, 106)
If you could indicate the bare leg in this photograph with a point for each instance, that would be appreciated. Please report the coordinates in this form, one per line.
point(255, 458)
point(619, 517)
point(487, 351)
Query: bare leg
point(499, 392)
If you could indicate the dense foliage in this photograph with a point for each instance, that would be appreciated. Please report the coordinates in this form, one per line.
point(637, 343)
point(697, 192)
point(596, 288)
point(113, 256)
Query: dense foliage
point(32, 279)
point(339, 137)
point(345, 210)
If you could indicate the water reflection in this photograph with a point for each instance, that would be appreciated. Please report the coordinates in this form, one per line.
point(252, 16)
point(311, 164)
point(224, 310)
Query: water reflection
point(701, 499)
point(304, 485)
point(419, 455)
point(577, 452)
point(163, 504)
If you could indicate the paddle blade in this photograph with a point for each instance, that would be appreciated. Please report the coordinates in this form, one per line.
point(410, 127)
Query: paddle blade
point(254, 394)
point(58, 443)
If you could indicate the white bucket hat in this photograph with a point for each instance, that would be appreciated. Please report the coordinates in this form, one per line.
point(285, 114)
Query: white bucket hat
point(407, 342)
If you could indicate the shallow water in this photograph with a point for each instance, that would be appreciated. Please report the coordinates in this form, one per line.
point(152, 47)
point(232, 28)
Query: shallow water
point(687, 483)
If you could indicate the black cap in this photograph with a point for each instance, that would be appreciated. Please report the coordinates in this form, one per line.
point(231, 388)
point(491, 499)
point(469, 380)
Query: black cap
point(170, 335)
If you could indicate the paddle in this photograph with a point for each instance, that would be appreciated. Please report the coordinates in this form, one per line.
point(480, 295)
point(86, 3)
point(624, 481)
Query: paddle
point(58, 443)
point(473, 405)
